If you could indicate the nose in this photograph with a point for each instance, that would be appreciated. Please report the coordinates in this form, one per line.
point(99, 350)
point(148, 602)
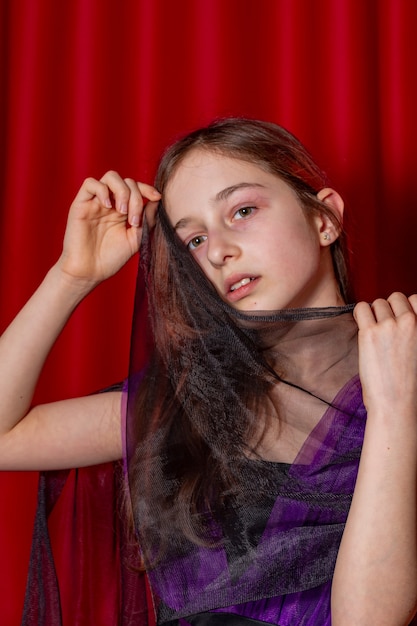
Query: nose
point(221, 247)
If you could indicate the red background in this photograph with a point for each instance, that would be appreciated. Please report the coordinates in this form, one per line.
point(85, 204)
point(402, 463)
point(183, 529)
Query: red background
point(91, 85)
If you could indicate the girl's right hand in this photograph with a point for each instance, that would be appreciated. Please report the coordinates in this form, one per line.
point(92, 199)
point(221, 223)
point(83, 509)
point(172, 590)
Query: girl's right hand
point(104, 227)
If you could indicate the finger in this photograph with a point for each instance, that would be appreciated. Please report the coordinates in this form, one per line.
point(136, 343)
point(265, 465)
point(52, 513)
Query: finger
point(150, 212)
point(382, 310)
point(148, 191)
point(119, 190)
point(413, 302)
point(135, 234)
point(367, 314)
point(142, 195)
point(399, 303)
point(93, 188)
point(364, 315)
point(135, 207)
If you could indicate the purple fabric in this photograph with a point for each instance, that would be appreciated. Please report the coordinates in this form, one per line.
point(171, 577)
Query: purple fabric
point(305, 608)
point(327, 465)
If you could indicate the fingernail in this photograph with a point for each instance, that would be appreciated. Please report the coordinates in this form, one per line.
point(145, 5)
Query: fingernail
point(135, 220)
point(108, 203)
point(123, 208)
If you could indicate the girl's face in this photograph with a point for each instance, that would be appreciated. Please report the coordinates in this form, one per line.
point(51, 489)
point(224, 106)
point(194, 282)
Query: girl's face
point(248, 231)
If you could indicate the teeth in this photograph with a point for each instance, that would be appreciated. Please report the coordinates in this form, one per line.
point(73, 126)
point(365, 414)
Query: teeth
point(241, 283)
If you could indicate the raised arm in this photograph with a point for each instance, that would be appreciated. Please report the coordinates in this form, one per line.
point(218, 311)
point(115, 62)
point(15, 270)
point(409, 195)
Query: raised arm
point(375, 581)
point(103, 232)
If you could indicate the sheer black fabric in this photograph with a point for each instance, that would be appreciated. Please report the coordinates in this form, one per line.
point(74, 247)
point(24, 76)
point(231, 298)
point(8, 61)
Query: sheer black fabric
point(241, 472)
point(97, 579)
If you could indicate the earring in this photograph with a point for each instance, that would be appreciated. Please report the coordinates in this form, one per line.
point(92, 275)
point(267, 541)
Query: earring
point(326, 236)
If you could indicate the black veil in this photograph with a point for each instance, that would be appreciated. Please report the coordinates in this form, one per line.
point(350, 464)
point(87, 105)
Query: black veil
point(243, 437)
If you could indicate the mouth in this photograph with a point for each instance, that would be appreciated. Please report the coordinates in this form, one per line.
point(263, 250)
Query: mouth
point(241, 288)
point(241, 283)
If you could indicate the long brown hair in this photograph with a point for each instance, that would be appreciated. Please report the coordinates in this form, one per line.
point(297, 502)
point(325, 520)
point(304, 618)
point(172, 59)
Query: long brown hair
point(197, 406)
point(274, 150)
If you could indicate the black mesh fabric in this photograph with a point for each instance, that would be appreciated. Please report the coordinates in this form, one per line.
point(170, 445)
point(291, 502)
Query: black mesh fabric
point(262, 414)
point(97, 580)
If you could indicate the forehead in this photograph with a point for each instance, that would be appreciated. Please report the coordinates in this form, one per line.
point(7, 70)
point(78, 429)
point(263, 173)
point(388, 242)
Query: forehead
point(206, 173)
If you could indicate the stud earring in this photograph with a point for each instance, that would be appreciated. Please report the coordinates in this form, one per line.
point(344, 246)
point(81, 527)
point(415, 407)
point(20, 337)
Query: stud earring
point(326, 236)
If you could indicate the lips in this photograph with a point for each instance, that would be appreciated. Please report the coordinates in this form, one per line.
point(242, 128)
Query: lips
point(241, 283)
point(239, 286)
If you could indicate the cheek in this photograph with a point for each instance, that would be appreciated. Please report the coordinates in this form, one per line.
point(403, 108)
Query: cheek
point(206, 267)
point(200, 256)
point(292, 224)
point(295, 251)
point(304, 237)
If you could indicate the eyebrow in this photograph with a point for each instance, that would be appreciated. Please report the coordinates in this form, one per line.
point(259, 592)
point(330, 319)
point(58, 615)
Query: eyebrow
point(221, 195)
point(225, 193)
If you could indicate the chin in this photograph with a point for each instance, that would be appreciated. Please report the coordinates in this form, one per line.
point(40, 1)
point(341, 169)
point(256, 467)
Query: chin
point(255, 306)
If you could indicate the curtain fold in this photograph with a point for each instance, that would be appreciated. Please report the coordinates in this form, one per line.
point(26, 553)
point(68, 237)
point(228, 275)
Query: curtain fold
point(92, 85)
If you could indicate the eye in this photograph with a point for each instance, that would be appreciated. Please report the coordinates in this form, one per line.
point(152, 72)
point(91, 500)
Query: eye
point(245, 211)
point(196, 241)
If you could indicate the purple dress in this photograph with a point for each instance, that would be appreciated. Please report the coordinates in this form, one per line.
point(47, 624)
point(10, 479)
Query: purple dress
point(290, 539)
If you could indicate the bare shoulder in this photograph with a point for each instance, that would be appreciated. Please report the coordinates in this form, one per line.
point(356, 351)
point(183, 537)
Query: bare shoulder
point(70, 433)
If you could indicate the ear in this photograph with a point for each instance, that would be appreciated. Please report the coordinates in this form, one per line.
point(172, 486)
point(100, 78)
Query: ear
point(329, 231)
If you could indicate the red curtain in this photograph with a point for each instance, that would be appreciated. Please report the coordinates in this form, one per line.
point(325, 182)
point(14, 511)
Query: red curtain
point(91, 85)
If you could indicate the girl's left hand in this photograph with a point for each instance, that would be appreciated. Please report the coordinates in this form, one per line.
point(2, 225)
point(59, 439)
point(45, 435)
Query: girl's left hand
point(388, 353)
point(375, 575)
